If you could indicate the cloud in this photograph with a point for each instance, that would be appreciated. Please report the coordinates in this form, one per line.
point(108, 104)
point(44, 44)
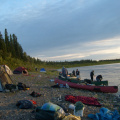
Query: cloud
point(83, 55)
point(63, 30)
point(97, 48)
point(115, 41)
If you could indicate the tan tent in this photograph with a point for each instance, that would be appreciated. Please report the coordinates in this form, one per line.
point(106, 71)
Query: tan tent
point(7, 69)
point(4, 78)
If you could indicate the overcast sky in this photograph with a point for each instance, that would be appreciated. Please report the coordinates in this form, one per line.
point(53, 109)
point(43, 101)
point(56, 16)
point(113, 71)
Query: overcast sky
point(59, 30)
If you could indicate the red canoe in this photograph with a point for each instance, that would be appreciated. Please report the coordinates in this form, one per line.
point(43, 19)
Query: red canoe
point(105, 89)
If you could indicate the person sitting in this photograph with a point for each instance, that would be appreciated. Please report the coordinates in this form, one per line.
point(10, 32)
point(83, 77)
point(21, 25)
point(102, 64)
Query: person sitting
point(73, 72)
point(99, 78)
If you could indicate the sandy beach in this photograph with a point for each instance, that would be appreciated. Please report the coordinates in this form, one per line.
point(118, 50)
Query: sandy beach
point(41, 83)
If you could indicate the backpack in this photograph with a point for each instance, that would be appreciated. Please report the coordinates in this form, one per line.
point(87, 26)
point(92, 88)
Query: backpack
point(21, 86)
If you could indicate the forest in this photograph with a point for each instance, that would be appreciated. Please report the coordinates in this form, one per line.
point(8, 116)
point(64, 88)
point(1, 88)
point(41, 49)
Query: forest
point(13, 55)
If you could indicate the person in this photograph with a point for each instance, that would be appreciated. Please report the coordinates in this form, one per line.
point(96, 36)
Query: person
point(36, 69)
point(99, 78)
point(78, 74)
point(92, 74)
point(64, 72)
point(73, 72)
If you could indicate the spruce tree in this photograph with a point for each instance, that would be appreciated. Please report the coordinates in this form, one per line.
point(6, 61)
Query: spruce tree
point(12, 49)
point(2, 47)
point(7, 41)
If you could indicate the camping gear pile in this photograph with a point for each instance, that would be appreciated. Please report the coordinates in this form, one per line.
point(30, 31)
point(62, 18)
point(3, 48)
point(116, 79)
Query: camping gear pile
point(51, 111)
point(6, 83)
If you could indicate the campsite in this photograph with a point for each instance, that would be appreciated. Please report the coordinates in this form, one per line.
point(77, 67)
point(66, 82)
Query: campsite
point(42, 82)
point(59, 60)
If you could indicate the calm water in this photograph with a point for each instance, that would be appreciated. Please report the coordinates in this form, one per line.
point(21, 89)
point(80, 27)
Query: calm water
point(110, 72)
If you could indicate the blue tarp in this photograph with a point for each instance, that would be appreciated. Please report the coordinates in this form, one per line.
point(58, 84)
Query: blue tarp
point(42, 70)
point(105, 114)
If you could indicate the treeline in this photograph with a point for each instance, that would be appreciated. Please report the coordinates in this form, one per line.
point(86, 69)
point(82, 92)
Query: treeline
point(13, 55)
point(10, 48)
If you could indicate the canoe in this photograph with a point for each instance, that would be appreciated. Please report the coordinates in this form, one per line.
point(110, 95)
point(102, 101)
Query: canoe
point(97, 83)
point(85, 81)
point(104, 89)
point(71, 80)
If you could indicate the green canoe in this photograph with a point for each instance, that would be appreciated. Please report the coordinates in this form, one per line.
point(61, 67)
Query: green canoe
point(87, 81)
point(105, 82)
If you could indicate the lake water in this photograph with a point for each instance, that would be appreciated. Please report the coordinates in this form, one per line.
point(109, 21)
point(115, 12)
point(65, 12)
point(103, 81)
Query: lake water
point(110, 72)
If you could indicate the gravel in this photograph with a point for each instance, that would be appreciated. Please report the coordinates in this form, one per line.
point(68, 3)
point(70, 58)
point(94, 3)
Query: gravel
point(41, 83)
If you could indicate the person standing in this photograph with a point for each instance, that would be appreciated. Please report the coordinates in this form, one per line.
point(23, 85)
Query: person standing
point(64, 72)
point(78, 74)
point(36, 69)
point(73, 72)
point(92, 74)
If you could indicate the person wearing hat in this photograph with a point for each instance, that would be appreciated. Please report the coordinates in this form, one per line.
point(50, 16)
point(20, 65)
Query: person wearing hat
point(92, 74)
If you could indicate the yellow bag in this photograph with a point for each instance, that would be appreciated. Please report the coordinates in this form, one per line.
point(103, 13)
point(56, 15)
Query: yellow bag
point(71, 117)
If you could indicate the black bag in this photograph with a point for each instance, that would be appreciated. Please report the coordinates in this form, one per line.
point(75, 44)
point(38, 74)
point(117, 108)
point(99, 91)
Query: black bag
point(10, 86)
point(24, 104)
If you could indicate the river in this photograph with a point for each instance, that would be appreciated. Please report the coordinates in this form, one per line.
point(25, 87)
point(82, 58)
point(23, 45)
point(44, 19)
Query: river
point(110, 72)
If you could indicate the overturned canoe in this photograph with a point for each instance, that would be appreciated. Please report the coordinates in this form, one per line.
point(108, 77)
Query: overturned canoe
point(105, 89)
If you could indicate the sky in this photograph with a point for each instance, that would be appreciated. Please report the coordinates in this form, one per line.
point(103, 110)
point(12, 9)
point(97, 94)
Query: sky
point(64, 30)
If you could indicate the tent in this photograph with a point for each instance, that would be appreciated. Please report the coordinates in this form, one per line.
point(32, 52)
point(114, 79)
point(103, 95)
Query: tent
point(7, 69)
point(4, 78)
point(20, 70)
point(42, 70)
